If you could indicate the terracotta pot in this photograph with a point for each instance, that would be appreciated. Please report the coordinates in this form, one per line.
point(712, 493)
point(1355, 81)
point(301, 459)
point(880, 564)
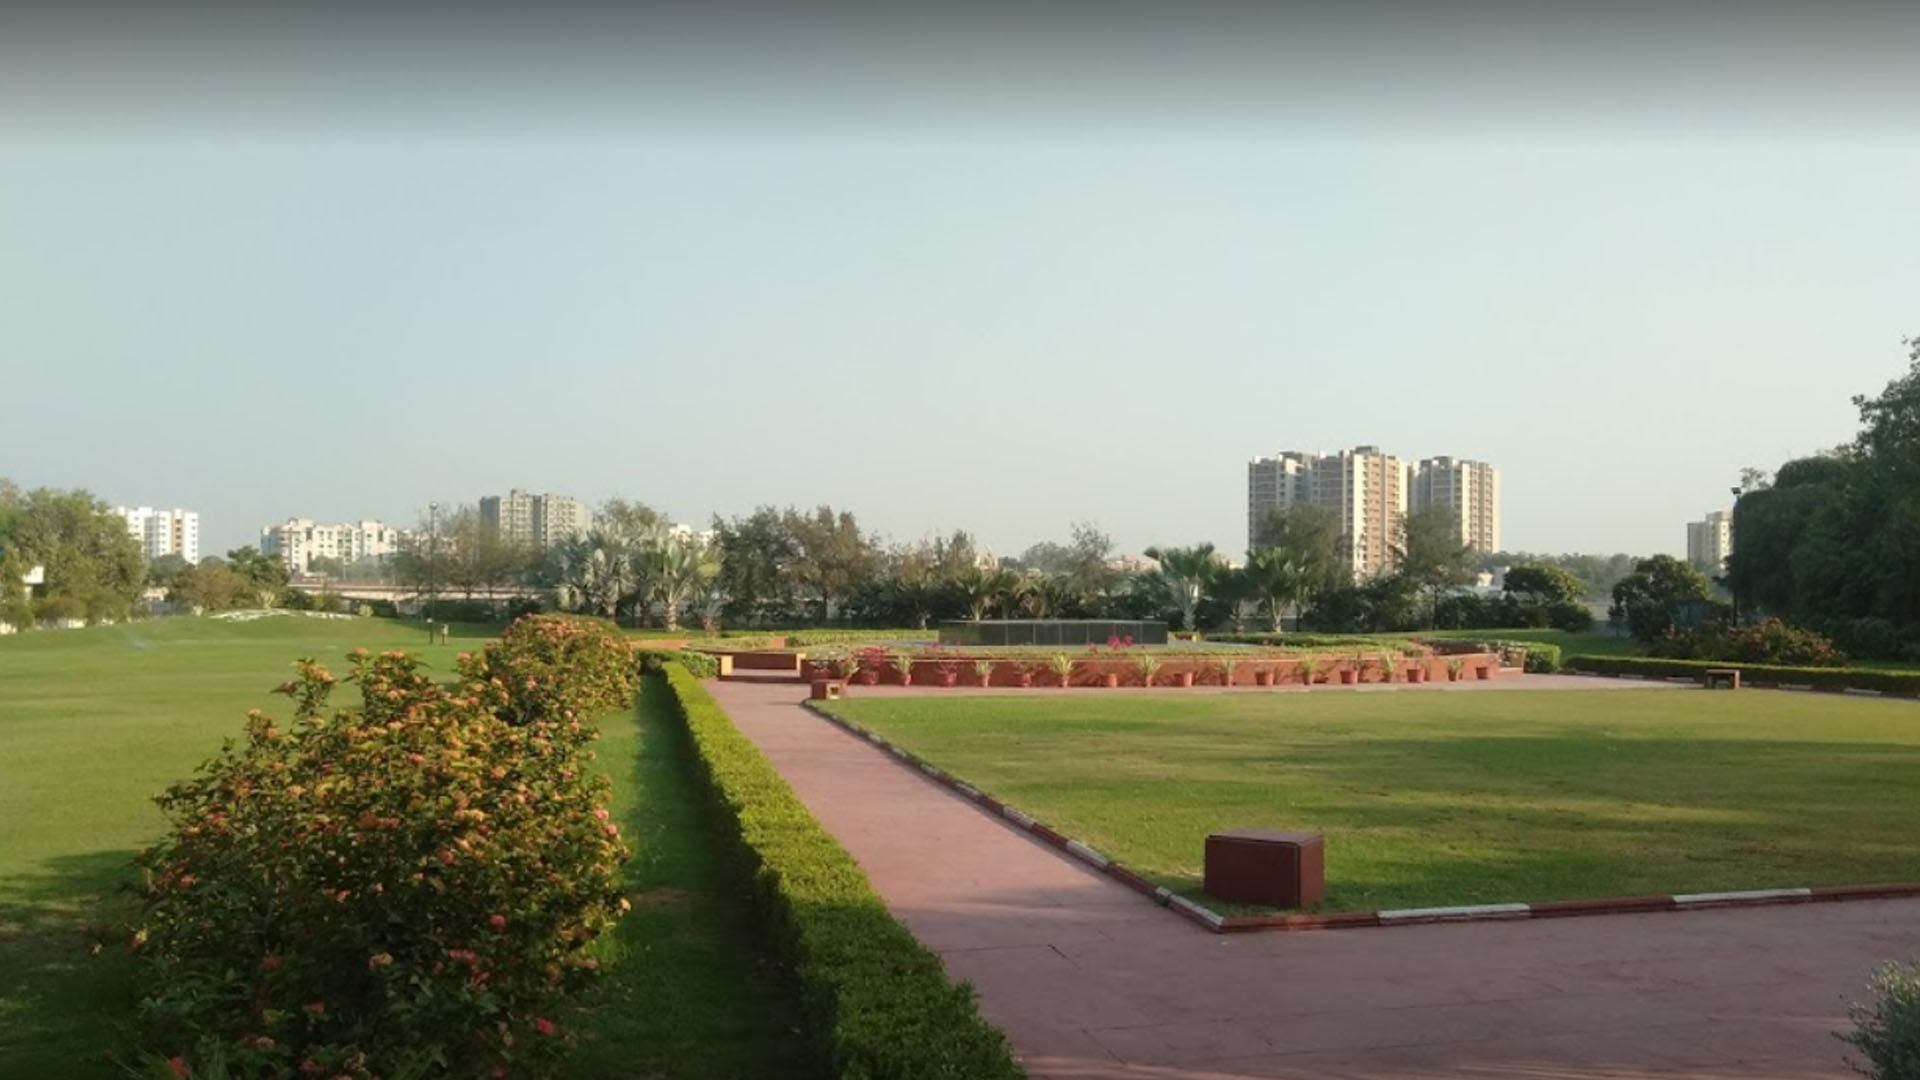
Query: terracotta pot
point(1416, 674)
point(948, 678)
point(906, 678)
point(1183, 678)
point(1263, 678)
point(868, 678)
point(1026, 678)
point(1110, 680)
point(1348, 676)
point(1483, 672)
point(1065, 679)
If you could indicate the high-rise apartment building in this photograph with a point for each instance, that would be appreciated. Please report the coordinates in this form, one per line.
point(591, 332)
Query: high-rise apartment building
point(1709, 542)
point(163, 532)
point(1371, 492)
point(1365, 488)
point(299, 541)
point(1469, 492)
point(539, 520)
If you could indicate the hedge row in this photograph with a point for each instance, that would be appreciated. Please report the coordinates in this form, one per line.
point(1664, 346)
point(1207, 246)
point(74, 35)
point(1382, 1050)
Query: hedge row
point(1322, 642)
point(877, 1003)
point(702, 665)
point(1825, 678)
point(1542, 658)
point(853, 637)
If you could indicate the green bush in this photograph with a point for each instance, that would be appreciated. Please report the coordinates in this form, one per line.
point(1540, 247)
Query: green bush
point(877, 1002)
point(554, 667)
point(366, 892)
point(1854, 678)
point(701, 665)
point(1768, 641)
point(1887, 1030)
point(1304, 642)
point(1541, 659)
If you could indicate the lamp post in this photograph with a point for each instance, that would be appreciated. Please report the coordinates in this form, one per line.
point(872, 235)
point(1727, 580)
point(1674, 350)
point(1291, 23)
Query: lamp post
point(433, 557)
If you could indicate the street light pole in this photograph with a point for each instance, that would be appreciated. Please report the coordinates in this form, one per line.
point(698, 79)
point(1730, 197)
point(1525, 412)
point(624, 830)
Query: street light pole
point(433, 556)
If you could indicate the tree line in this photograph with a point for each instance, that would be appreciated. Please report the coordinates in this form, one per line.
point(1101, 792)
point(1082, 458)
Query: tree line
point(1832, 541)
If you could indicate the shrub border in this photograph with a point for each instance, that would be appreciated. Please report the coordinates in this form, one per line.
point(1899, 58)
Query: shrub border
point(1837, 680)
point(878, 1004)
point(1218, 923)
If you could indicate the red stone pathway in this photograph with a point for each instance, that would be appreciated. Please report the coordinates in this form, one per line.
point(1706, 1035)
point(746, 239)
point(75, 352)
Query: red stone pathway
point(1089, 980)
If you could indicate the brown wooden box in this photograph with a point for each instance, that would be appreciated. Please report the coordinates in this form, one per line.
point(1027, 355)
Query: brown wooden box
point(1262, 866)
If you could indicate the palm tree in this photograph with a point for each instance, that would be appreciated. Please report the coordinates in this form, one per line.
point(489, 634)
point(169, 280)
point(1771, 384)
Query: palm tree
point(595, 573)
point(984, 588)
point(1045, 596)
point(676, 569)
point(1185, 573)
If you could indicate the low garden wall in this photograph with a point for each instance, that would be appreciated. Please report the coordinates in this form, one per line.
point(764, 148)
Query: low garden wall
point(1170, 670)
point(878, 1004)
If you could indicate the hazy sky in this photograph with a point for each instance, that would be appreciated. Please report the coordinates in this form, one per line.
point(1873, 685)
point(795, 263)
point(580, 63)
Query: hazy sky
point(984, 273)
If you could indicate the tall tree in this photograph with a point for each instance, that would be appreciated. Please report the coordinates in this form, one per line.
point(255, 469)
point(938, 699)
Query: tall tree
point(1662, 595)
point(757, 554)
point(1311, 535)
point(93, 569)
point(1433, 558)
point(834, 557)
point(267, 574)
point(1185, 574)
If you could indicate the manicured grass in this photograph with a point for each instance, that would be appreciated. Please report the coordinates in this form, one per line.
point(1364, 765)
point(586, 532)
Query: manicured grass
point(681, 998)
point(94, 723)
point(1592, 643)
point(1431, 798)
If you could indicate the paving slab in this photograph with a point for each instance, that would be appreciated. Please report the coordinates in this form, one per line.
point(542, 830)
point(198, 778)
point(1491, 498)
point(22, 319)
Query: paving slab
point(1091, 981)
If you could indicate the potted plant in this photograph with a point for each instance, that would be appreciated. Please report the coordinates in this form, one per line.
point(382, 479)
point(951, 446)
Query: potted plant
point(983, 671)
point(1455, 665)
point(1062, 667)
point(1484, 671)
point(903, 664)
point(1356, 664)
point(1224, 666)
point(1389, 667)
point(1023, 673)
point(949, 671)
point(1309, 667)
point(1148, 665)
point(1264, 674)
point(1110, 679)
point(844, 666)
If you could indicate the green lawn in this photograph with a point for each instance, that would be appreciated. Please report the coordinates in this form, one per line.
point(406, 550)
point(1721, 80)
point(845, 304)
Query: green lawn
point(1431, 798)
point(95, 722)
point(1592, 643)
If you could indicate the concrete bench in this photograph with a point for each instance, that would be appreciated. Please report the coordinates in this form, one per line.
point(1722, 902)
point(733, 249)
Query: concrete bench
point(1717, 677)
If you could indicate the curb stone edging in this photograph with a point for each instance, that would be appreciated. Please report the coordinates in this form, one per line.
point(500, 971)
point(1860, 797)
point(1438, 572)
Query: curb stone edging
point(1214, 921)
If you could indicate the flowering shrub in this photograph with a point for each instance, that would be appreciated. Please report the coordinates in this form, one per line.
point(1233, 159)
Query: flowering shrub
point(409, 885)
point(1887, 1029)
point(555, 667)
point(1768, 641)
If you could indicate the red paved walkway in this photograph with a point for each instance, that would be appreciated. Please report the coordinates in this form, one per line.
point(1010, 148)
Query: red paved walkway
point(1090, 980)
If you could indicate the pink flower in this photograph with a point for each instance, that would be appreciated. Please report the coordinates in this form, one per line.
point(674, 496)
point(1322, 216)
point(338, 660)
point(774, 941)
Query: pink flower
point(543, 1025)
point(179, 1066)
point(601, 813)
point(269, 962)
point(378, 961)
point(498, 922)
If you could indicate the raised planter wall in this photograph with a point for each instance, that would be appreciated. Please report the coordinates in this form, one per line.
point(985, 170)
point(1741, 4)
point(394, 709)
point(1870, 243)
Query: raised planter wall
point(1090, 671)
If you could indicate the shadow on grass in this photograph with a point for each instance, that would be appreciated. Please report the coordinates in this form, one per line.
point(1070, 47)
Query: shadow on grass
point(685, 994)
point(66, 1011)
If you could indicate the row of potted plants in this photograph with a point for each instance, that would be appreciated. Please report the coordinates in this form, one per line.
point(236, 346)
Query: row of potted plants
point(872, 666)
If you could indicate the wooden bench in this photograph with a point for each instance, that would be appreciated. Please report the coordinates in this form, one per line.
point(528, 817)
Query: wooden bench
point(1717, 677)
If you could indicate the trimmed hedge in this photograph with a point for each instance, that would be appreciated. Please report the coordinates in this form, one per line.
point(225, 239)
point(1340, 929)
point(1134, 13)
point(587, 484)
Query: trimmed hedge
point(1826, 678)
point(877, 1003)
point(700, 665)
point(849, 637)
point(1542, 658)
point(1343, 643)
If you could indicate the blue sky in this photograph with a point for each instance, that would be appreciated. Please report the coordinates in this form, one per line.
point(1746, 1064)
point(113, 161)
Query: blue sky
point(264, 296)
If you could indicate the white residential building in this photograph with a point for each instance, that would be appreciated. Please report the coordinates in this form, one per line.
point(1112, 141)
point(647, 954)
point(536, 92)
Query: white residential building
point(163, 532)
point(538, 520)
point(1371, 492)
point(1709, 542)
point(299, 541)
point(1469, 491)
